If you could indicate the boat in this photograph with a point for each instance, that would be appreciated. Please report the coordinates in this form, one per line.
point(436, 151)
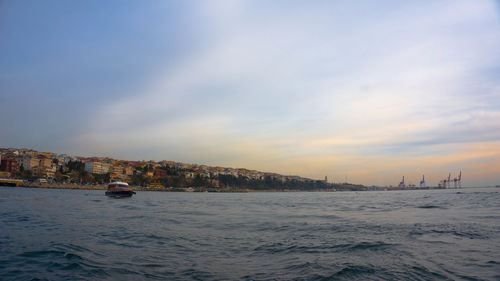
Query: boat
point(119, 189)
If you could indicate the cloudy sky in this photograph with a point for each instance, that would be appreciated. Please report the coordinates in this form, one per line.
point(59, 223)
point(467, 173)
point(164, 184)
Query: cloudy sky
point(364, 91)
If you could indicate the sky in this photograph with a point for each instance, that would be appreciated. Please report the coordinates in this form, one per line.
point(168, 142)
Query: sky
point(359, 91)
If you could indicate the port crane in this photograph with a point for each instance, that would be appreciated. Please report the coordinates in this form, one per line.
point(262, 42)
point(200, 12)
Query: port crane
point(458, 181)
point(446, 182)
point(402, 183)
point(422, 182)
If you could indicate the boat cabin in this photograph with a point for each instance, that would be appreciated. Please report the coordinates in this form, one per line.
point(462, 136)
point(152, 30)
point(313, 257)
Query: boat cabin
point(118, 184)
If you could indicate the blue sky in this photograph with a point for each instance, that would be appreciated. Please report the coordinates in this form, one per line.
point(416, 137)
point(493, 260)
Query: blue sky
point(363, 90)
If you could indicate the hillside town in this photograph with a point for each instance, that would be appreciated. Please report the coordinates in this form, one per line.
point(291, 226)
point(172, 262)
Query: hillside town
point(47, 167)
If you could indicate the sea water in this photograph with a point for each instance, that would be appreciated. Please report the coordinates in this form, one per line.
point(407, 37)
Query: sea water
point(406, 235)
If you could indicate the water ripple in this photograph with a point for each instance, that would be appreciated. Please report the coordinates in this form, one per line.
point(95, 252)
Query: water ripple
point(79, 235)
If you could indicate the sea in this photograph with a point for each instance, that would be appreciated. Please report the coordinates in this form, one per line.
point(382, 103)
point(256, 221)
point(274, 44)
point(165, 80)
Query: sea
point(57, 234)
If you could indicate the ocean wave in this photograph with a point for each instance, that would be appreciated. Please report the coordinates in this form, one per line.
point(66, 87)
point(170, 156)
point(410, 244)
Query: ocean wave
point(275, 248)
point(443, 230)
point(303, 236)
point(430, 207)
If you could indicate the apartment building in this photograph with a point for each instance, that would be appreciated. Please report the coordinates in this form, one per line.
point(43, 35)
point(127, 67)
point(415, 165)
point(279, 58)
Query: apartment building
point(97, 167)
point(30, 163)
point(9, 165)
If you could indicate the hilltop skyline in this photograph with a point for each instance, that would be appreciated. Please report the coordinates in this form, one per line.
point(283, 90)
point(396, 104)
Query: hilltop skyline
point(21, 154)
point(366, 92)
point(122, 169)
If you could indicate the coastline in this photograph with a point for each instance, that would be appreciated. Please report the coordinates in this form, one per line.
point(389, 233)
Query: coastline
point(169, 189)
point(135, 188)
point(64, 186)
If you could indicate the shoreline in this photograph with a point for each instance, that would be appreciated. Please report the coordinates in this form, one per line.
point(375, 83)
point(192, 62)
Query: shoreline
point(180, 189)
point(160, 189)
point(135, 188)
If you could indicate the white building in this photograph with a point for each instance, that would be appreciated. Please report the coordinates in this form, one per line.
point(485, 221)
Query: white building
point(96, 167)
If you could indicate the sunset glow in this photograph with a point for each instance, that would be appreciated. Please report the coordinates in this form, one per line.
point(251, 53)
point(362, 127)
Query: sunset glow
point(359, 91)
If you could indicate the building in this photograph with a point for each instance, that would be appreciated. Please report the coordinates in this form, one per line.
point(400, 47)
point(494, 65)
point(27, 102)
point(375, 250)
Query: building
point(118, 171)
point(128, 170)
point(97, 167)
point(45, 162)
point(9, 165)
point(46, 172)
point(46, 168)
point(156, 184)
point(30, 163)
point(160, 173)
point(42, 167)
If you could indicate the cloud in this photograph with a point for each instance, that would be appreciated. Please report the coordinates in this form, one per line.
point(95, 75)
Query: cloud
point(277, 85)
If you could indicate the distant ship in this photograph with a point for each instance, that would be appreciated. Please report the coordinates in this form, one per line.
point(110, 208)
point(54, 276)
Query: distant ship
point(119, 189)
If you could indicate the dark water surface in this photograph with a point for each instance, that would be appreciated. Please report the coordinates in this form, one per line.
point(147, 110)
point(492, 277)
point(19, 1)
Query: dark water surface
point(404, 235)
